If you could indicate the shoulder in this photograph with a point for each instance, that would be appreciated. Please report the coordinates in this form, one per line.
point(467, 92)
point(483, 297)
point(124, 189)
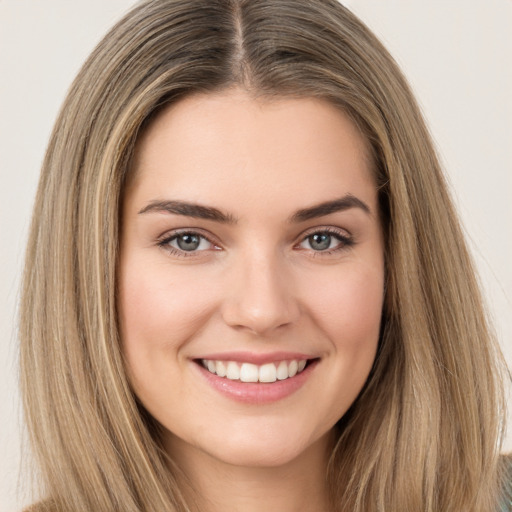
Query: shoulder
point(506, 503)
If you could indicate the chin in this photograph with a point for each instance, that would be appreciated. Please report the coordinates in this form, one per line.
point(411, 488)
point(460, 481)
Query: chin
point(266, 449)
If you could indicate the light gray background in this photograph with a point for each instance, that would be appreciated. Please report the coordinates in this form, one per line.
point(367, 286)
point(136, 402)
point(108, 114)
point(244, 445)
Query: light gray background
point(456, 53)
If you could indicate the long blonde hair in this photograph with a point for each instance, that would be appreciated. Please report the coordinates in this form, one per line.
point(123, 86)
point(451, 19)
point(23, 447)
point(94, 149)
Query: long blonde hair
point(424, 434)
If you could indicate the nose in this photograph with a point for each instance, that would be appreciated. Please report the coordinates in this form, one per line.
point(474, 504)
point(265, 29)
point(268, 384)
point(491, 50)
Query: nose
point(260, 297)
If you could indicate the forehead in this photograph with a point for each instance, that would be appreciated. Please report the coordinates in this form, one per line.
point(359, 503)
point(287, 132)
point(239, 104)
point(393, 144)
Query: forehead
point(230, 141)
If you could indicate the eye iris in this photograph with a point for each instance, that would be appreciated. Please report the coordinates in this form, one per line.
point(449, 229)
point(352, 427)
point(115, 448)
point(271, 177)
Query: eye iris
point(320, 241)
point(188, 242)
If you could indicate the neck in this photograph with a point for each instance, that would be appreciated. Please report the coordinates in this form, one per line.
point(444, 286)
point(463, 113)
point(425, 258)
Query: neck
point(296, 486)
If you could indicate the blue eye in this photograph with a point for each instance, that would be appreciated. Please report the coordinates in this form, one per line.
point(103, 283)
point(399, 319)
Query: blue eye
point(320, 241)
point(325, 241)
point(186, 242)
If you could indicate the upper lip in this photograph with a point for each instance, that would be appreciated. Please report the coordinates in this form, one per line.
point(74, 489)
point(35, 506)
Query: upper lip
point(256, 358)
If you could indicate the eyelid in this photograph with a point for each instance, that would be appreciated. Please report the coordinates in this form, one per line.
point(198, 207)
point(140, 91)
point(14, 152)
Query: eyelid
point(346, 239)
point(163, 241)
point(325, 229)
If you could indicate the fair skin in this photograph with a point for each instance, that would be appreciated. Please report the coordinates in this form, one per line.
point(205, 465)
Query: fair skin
point(229, 265)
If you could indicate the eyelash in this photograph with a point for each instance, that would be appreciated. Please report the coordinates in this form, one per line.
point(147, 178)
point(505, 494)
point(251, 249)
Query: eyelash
point(165, 241)
point(345, 242)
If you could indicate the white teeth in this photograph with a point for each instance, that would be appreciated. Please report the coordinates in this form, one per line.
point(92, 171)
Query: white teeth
point(268, 373)
point(232, 371)
point(248, 372)
point(220, 369)
point(292, 369)
point(282, 370)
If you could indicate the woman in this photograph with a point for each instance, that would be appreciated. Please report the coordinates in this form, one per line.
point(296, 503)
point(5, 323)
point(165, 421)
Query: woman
point(239, 291)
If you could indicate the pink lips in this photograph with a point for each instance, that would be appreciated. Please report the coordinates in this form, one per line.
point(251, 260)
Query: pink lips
point(257, 392)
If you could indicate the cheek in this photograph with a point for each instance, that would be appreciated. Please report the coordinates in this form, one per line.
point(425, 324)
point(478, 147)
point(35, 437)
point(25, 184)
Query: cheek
point(159, 312)
point(158, 309)
point(345, 307)
point(348, 307)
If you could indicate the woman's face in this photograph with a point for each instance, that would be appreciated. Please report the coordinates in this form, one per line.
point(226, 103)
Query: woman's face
point(251, 274)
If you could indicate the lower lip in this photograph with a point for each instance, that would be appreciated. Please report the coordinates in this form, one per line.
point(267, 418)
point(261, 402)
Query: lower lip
point(257, 392)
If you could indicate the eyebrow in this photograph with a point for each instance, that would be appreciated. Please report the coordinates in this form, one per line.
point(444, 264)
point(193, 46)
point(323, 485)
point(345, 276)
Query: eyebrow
point(210, 213)
point(337, 205)
point(189, 210)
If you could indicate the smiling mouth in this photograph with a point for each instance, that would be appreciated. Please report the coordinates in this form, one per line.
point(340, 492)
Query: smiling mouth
point(248, 372)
